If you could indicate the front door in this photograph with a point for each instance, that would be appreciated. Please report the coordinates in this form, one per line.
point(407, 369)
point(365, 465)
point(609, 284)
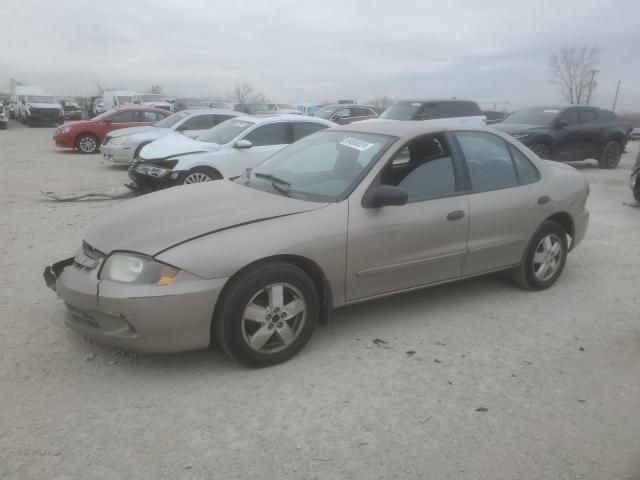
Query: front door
point(423, 242)
point(265, 141)
point(569, 138)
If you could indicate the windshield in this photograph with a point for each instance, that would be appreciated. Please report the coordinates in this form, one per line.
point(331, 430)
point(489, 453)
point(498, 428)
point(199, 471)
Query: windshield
point(533, 116)
point(402, 110)
point(41, 99)
point(171, 120)
point(325, 112)
point(321, 167)
point(225, 132)
point(150, 98)
point(124, 99)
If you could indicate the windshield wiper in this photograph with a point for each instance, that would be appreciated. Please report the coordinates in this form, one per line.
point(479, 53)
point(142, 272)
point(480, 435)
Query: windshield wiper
point(276, 182)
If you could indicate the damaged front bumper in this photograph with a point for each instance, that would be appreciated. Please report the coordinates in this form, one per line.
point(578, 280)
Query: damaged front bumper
point(144, 318)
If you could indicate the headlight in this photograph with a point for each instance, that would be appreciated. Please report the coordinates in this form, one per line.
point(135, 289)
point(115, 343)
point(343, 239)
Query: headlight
point(520, 135)
point(120, 140)
point(138, 269)
point(152, 170)
point(64, 129)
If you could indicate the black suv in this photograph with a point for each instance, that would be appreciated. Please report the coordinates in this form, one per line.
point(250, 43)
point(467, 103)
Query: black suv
point(569, 133)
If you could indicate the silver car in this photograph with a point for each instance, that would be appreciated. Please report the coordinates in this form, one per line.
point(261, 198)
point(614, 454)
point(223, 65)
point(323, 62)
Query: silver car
point(344, 215)
point(124, 146)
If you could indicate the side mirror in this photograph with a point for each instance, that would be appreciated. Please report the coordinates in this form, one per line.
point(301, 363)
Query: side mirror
point(107, 121)
point(387, 196)
point(243, 144)
point(562, 124)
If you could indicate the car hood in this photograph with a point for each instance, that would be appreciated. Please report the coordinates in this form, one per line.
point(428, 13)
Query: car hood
point(143, 128)
point(175, 144)
point(158, 221)
point(517, 127)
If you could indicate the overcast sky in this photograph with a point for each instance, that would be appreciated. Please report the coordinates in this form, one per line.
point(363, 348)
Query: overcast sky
point(303, 50)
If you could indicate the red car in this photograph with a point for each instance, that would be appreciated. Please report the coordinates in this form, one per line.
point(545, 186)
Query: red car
point(86, 135)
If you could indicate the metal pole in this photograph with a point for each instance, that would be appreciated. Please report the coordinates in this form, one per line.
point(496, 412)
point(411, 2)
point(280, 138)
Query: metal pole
point(615, 99)
point(593, 75)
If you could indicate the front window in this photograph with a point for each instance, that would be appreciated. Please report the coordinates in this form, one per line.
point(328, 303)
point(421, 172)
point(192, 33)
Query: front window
point(325, 112)
point(171, 120)
point(40, 99)
point(533, 116)
point(225, 132)
point(324, 166)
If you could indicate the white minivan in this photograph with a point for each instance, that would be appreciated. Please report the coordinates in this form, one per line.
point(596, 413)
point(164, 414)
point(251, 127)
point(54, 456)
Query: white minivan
point(447, 112)
point(115, 99)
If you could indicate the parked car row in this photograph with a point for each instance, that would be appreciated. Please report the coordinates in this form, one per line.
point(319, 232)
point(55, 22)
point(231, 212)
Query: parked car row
point(342, 215)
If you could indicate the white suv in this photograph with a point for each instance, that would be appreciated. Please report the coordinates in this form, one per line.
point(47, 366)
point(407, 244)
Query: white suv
point(444, 112)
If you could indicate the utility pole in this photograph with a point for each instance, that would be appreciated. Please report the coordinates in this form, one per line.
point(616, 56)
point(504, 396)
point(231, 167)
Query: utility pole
point(592, 85)
point(615, 99)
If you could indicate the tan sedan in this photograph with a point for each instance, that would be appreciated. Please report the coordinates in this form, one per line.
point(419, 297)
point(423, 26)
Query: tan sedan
point(342, 216)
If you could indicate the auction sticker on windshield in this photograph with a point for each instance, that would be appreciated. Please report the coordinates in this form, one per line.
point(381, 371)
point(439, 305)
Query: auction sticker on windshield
point(356, 143)
point(551, 111)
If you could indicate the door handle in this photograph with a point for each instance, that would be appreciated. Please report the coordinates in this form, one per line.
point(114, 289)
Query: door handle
point(544, 200)
point(455, 215)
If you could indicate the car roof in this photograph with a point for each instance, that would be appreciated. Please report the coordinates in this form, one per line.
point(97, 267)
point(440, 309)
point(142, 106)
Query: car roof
point(336, 105)
point(405, 128)
point(137, 109)
point(268, 118)
point(435, 100)
point(204, 111)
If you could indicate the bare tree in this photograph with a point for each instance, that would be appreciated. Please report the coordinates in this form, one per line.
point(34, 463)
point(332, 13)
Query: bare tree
point(381, 102)
point(242, 92)
point(156, 89)
point(258, 98)
point(574, 69)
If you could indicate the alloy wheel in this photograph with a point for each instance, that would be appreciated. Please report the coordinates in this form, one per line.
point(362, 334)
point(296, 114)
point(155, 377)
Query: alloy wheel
point(87, 144)
point(274, 318)
point(196, 177)
point(547, 257)
point(614, 152)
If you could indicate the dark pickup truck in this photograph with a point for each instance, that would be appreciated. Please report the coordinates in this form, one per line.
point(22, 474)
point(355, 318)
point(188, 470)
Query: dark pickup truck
point(569, 133)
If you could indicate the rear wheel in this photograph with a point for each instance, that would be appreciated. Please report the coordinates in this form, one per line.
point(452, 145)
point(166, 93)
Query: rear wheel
point(267, 315)
point(542, 150)
point(200, 175)
point(87, 143)
point(611, 155)
point(636, 190)
point(544, 258)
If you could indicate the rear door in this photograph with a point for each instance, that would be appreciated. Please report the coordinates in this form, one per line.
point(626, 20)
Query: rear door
point(504, 192)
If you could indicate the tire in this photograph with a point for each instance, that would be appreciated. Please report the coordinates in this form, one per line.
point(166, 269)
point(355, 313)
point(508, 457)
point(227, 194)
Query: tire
point(201, 175)
point(530, 274)
point(611, 155)
point(542, 150)
point(87, 143)
point(247, 324)
point(636, 191)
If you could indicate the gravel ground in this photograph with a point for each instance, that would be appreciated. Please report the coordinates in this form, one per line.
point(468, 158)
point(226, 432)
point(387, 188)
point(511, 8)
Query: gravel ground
point(503, 384)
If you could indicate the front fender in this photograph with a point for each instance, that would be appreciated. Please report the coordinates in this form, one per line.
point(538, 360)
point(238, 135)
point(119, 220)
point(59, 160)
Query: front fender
point(215, 160)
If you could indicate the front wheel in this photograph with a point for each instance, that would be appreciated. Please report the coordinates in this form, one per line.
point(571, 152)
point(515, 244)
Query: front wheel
point(87, 143)
point(267, 315)
point(541, 150)
point(544, 259)
point(611, 155)
point(200, 175)
point(636, 190)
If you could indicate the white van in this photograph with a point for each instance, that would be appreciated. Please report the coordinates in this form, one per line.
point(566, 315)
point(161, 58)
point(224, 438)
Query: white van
point(115, 99)
point(33, 106)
